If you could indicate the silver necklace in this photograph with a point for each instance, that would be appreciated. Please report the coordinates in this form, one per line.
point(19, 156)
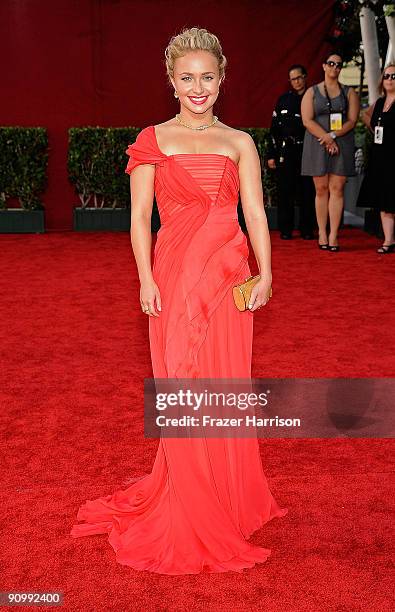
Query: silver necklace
point(200, 127)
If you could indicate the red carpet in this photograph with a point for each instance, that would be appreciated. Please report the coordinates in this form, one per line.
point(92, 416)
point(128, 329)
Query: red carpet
point(74, 350)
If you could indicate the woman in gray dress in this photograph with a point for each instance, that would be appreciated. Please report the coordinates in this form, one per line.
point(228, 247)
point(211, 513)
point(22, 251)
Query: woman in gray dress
point(329, 112)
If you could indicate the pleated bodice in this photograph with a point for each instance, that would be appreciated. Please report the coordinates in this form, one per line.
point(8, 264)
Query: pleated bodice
point(214, 173)
point(203, 181)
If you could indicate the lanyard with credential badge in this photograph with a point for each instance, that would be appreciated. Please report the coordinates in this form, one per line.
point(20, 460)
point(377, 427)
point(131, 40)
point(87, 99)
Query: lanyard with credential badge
point(335, 119)
point(379, 130)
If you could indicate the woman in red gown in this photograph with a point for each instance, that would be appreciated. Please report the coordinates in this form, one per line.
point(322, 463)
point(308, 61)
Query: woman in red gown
point(205, 496)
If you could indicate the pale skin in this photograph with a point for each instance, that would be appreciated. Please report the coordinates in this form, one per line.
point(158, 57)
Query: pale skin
point(197, 74)
point(329, 188)
point(298, 83)
point(387, 218)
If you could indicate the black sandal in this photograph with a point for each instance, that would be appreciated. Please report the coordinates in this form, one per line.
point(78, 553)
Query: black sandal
point(323, 247)
point(333, 248)
point(386, 248)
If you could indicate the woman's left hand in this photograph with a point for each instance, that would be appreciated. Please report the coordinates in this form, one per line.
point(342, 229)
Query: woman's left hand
point(333, 149)
point(260, 294)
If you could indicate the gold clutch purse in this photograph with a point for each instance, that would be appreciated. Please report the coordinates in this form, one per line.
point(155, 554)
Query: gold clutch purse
point(242, 292)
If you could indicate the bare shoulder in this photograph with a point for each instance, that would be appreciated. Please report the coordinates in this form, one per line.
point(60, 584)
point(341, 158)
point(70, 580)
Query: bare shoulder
point(238, 139)
point(307, 99)
point(233, 133)
point(352, 93)
point(245, 149)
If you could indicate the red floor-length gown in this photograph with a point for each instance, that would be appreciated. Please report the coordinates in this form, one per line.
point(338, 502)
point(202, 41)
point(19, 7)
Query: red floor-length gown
point(205, 496)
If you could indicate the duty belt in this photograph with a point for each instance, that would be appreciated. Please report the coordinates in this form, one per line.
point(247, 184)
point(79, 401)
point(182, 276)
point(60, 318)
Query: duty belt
point(291, 140)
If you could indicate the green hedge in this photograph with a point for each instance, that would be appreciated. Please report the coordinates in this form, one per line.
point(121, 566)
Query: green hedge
point(97, 161)
point(96, 165)
point(23, 165)
point(260, 137)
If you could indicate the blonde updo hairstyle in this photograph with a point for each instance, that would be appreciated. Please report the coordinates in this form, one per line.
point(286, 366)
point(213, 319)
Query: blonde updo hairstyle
point(194, 39)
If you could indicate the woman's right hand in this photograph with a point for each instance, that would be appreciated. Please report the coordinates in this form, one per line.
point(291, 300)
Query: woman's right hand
point(149, 294)
point(326, 140)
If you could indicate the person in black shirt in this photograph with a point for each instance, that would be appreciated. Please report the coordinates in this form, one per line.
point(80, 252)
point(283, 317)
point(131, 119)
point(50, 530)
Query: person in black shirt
point(377, 188)
point(285, 155)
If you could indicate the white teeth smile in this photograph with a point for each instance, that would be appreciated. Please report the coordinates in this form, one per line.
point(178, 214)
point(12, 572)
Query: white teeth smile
point(198, 99)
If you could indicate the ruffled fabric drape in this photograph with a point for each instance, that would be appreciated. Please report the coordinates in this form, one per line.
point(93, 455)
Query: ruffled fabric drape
point(204, 497)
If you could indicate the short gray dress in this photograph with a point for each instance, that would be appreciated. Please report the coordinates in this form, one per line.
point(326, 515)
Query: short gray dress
point(316, 160)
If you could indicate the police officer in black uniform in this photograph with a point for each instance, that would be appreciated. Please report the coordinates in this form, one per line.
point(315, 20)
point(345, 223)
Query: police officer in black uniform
point(285, 155)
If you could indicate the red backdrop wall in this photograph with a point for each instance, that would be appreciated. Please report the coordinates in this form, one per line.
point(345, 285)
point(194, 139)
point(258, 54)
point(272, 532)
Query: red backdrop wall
point(100, 62)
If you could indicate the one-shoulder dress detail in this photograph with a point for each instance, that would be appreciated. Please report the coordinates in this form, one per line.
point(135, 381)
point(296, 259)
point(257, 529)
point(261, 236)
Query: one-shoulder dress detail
point(205, 496)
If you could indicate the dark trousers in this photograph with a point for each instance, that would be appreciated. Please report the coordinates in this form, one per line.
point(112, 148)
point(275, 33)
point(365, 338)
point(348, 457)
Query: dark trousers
point(295, 189)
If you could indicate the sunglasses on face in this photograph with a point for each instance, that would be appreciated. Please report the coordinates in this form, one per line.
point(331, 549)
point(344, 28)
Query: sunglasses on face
point(389, 76)
point(332, 64)
point(298, 78)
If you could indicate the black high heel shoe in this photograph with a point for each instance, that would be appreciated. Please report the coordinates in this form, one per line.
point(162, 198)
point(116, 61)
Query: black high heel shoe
point(333, 248)
point(386, 248)
point(323, 247)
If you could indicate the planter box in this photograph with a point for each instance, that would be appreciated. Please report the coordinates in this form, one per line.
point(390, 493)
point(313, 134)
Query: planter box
point(101, 219)
point(351, 192)
point(19, 221)
point(107, 219)
point(118, 219)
